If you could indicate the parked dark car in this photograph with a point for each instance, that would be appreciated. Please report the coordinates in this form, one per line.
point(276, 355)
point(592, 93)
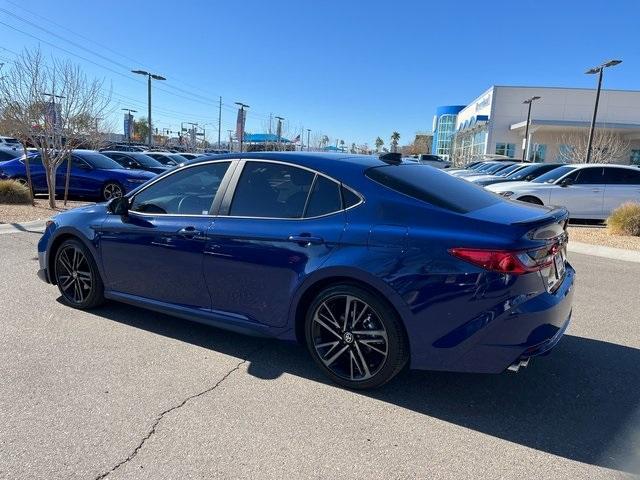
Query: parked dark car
point(371, 262)
point(190, 156)
point(93, 175)
point(525, 174)
point(136, 161)
point(6, 155)
point(167, 158)
point(123, 147)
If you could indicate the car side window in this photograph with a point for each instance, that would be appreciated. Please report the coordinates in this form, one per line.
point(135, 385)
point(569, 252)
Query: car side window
point(77, 162)
point(589, 176)
point(621, 176)
point(271, 190)
point(324, 199)
point(186, 192)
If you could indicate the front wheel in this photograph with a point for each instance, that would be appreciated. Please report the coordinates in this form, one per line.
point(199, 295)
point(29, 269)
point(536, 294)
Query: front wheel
point(355, 338)
point(77, 275)
point(111, 190)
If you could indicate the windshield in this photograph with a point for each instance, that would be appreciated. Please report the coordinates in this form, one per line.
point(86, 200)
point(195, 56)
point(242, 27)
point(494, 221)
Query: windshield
point(553, 175)
point(530, 170)
point(145, 160)
point(97, 160)
point(497, 168)
point(177, 158)
point(511, 169)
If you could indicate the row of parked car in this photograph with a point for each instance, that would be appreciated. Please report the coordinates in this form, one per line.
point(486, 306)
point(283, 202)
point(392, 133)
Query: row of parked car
point(588, 191)
point(99, 175)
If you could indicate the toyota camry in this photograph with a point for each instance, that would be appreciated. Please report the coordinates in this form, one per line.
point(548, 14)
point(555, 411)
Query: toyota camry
point(373, 263)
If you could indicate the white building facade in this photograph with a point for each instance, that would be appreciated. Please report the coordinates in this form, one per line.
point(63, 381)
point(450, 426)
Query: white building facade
point(495, 123)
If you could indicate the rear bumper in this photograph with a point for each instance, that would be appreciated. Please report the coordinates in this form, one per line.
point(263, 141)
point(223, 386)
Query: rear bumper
point(504, 334)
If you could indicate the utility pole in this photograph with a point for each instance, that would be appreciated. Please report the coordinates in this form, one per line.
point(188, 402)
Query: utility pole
point(270, 120)
point(525, 147)
point(599, 70)
point(149, 77)
point(219, 121)
point(308, 133)
point(302, 139)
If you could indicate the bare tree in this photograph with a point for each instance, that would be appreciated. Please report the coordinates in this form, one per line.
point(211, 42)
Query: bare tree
point(52, 106)
point(607, 147)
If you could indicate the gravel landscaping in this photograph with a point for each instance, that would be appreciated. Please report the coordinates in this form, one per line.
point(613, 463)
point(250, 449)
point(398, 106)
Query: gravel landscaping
point(599, 235)
point(40, 211)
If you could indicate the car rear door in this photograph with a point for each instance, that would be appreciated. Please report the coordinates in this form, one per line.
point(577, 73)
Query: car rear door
point(583, 196)
point(156, 251)
point(621, 185)
point(269, 235)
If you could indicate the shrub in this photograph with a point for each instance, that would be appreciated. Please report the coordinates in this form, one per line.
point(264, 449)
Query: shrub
point(625, 220)
point(12, 191)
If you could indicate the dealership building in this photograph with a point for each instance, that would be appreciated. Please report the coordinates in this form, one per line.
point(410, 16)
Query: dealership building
point(495, 123)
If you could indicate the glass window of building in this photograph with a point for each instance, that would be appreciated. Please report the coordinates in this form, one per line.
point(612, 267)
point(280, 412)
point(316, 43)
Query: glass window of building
point(446, 128)
point(508, 149)
point(565, 153)
point(635, 157)
point(537, 152)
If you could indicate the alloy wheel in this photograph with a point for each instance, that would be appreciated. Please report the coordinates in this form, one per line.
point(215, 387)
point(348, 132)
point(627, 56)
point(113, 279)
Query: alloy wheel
point(111, 190)
point(349, 338)
point(73, 274)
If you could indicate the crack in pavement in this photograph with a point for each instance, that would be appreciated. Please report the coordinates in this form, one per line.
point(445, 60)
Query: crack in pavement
point(159, 418)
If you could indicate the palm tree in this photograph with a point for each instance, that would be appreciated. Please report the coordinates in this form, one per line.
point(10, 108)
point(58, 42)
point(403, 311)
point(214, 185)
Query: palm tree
point(324, 141)
point(342, 145)
point(379, 144)
point(395, 137)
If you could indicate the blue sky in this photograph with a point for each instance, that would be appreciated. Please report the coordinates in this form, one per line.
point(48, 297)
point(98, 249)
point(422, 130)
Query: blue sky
point(348, 69)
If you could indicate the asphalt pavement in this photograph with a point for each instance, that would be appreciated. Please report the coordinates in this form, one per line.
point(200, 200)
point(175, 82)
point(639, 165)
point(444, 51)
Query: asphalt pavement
point(123, 393)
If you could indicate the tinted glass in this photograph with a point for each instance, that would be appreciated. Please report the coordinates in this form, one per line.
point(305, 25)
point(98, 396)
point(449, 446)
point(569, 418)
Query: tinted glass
point(349, 199)
point(589, 176)
point(7, 155)
point(121, 160)
point(500, 168)
point(621, 176)
point(510, 168)
point(433, 186)
point(145, 160)
point(34, 159)
point(324, 199)
point(554, 174)
point(177, 158)
point(187, 192)
point(97, 160)
point(531, 170)
point(271, 190)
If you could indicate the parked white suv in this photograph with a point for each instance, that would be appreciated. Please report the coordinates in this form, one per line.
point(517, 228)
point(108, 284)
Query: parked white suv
point(588, 191)
point(10, 144)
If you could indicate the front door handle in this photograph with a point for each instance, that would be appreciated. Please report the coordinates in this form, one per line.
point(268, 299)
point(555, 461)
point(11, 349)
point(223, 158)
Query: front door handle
point(305, 239)
point(190, 232)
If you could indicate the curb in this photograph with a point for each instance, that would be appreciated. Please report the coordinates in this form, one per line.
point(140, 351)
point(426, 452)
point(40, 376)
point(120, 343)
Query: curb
point(604, 252)
point(36, 226)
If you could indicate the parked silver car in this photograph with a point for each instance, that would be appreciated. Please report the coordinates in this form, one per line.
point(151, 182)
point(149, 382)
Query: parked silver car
point(588, 191)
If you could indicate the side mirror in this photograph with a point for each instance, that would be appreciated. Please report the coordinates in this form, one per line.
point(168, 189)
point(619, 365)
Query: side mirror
point(566, 182)
point(119, 206)
point(528, 178)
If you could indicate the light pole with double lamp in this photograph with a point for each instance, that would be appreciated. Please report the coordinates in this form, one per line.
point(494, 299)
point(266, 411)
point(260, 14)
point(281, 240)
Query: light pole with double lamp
point(149, 77)
point(592, 71)
point(525, 147)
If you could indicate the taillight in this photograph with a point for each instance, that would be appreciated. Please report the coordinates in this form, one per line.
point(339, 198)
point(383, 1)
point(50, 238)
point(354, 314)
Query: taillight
point(507, 261)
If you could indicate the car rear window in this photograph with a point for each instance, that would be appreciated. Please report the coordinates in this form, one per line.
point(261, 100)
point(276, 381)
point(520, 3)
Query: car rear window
point(433, 186)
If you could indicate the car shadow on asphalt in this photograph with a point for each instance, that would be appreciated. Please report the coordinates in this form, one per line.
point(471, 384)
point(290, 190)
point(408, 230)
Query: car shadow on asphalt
point(582, 402)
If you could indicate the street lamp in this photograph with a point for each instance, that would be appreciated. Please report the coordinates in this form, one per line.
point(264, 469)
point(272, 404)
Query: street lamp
point(525, 147)
point(149, 77)
point(308, 133)
point(242, 119)
point(592, 71)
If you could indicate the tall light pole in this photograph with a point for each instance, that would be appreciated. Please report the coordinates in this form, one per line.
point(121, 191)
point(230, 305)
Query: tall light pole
point(219, 121)
point(525, 147)
point(599, 69)
point(242, 119)
point(308, 133)
point(279, 130)
point(149, 77)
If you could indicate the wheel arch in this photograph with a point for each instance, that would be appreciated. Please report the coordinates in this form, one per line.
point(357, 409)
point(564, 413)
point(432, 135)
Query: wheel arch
point(531, 199)
point(58, 239)
point(333, 276)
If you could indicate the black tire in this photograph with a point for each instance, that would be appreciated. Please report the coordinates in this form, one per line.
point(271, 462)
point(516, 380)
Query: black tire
point(534, 200)
point(365, 361)
point(110, 190)
point(77, 276)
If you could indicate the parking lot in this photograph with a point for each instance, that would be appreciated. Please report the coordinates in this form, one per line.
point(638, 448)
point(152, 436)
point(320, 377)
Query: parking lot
point(120, 392)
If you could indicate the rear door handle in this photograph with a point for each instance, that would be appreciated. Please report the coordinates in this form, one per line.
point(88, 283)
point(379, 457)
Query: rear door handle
point(190, 232)
point(305, 240)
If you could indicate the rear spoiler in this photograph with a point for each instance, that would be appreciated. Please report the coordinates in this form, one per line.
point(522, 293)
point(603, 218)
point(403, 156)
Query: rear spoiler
point(556, 214)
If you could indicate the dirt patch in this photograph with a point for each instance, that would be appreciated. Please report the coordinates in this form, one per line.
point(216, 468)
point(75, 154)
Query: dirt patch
point(40, 211)
point(601, 236)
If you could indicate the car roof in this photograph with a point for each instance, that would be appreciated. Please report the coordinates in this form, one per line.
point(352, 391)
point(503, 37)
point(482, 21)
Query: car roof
point(585, 165)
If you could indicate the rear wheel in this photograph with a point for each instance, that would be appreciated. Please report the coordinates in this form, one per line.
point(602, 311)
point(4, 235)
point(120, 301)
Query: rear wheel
point(77, 275)
point(533, 200)
point(356, 338)
point(111, 190)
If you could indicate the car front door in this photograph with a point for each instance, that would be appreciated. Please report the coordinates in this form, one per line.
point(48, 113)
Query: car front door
point(270, 233)
point(621, 185)
point(156, 251)
point(581, 192)
point(82, 181)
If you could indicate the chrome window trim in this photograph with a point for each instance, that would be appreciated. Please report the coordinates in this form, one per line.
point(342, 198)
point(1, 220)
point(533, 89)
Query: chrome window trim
point(181, 167)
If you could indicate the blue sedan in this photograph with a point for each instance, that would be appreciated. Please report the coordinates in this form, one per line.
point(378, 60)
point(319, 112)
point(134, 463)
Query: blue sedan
point(373, 263)
point(93, 175)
